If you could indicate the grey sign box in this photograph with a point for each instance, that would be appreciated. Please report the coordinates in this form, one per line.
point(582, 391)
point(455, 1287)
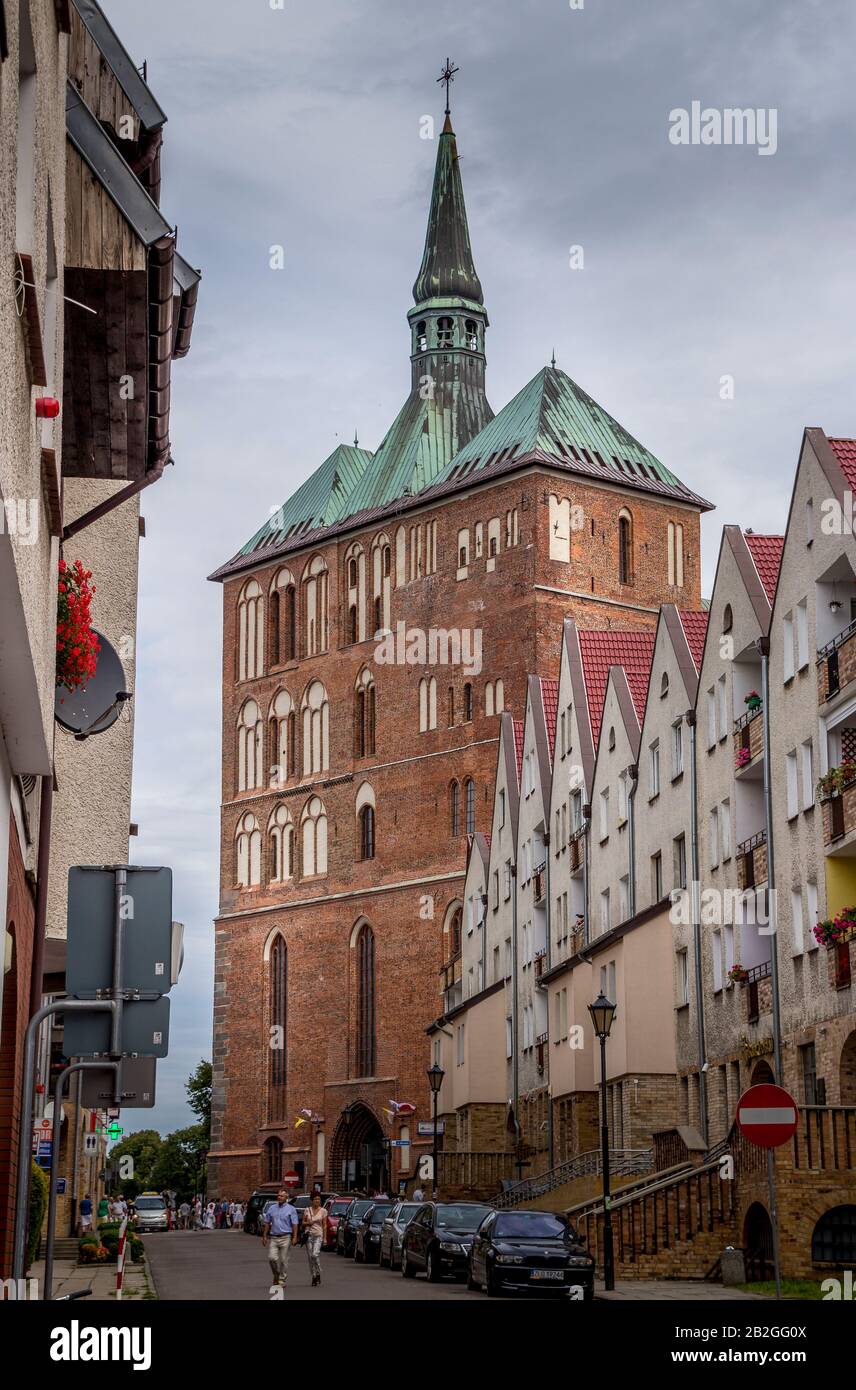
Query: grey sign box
point(138, 1086)
point(145, 1030)
point(146, 931)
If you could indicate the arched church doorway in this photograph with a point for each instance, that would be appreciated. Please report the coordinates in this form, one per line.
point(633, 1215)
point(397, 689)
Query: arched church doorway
point(758, 1243)
point(762, 1074)
point(847, 1071)
point(358, 1152)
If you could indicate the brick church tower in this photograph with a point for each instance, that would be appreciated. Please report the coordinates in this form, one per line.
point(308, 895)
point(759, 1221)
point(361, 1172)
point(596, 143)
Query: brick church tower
point(375, 629)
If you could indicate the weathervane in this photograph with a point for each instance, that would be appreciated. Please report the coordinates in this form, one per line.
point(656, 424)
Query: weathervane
point(448, 76)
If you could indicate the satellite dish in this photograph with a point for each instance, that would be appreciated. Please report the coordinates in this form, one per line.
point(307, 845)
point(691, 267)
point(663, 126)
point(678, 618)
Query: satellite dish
point(96, 706)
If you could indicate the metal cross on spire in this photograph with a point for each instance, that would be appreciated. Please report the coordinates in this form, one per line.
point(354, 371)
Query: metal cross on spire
point(448, 76)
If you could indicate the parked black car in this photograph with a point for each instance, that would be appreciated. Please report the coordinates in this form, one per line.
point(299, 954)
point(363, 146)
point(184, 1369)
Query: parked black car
point(535, 1250)
point(438, 1238)
point(367, 1244)
point(346, 1236)
point(255, 1207)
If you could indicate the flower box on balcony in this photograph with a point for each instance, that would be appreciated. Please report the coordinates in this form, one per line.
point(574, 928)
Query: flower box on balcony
point(738, 975)
point(77, 645)
point(835, 931)
point(743, 759)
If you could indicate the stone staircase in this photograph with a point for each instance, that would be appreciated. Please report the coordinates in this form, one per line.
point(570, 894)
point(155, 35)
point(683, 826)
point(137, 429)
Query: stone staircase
point(673, 1224)
point(581, 1171)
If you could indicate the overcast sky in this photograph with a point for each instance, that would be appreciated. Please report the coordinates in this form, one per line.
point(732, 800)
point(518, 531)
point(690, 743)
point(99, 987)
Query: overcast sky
point(300, 127)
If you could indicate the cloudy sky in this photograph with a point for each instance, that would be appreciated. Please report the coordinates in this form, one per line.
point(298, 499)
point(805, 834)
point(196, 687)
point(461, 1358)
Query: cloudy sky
point(300, 126)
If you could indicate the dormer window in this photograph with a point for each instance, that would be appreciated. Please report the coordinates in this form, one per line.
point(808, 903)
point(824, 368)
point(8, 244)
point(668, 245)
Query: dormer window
point(445, 333)
point(472, 335)
point(421, 336)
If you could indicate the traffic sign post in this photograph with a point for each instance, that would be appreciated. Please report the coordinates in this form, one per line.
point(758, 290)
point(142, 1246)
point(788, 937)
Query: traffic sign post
point(291, 1179)
point(767, 1117)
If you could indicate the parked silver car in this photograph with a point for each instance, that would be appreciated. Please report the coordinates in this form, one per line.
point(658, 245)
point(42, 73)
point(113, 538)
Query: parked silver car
point(392, 1231)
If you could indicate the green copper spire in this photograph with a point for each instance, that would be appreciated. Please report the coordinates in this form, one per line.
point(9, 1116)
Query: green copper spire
point(447, 268)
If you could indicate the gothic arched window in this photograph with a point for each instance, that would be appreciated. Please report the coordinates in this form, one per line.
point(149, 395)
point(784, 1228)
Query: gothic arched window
point(273, 1160)
point(445, 333)
point(367, 832)
point(278, 984)
point(314, 828)
point(316, 729)
point(248, 852)
point(281, 763)
point(455, 808)
point(365, 715)
point(625, 548)
point(280, 844)
point(250, 750)
point(470, 801)
point(251, 630)
point(315, 579)
point(365, 1002)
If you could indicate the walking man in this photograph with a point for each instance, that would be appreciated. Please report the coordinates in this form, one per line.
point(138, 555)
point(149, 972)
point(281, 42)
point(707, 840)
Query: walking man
point(280, 1231)
point(184, 1213)
point(315, 1225)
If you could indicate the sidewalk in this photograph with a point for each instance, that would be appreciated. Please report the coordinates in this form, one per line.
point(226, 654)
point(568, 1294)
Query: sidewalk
point(68, 1277)
point(680, 1290)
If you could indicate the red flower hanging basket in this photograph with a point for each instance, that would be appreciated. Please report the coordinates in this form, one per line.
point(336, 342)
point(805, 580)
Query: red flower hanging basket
point(77, 646)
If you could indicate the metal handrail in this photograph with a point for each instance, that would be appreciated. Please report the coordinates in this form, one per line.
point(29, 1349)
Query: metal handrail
point(754, 842)
point(585, 1164)
point(746, 718)
point(836, 642)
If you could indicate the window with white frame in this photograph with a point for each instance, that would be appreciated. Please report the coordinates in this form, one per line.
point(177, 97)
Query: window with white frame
point(809, 521)
point(722, 702)
point(797, 923)
point(725, 829)
point(802, 634)
point(792, 784)
point(622, 798)
point(811, 904)
point(506, 880)
point(677, 748)
point(604, 910)
point(713, 837)
point(624, 898)
point(460, 1035)
point(807, 775)
point(683, 979)
point(463, 553)
point(711, 718)
point(716, 950)
point(654, 768)
point(728, 938)
point(604, 814)
point(787, 647)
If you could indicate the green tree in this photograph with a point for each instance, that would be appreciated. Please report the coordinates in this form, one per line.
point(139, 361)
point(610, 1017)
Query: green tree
point(198, 1087)
point(143, 1148)
point(180, 1162)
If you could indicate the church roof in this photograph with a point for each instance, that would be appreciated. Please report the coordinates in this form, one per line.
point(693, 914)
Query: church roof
point(316, 503)
point(447, 262)
point(424, 436)
point(554, 416)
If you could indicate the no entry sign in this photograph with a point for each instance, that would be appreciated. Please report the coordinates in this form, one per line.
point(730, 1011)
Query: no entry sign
point(767, 1115)
point(291, 1179)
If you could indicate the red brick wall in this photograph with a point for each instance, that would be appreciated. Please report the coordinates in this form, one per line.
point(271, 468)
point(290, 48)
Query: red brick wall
point(16, 1004)
point(410, 773)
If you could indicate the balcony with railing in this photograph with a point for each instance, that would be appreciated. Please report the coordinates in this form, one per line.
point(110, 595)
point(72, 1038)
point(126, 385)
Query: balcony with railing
point(539, 882)
point(836, 664)
point(748, 738)
point(752, 861)
point(759, 991)
point(575, 851)
point(541, 1051)
point(838, 803)
point(540, 964)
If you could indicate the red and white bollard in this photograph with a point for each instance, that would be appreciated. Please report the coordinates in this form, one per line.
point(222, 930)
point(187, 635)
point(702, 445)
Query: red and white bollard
point(120, 1258)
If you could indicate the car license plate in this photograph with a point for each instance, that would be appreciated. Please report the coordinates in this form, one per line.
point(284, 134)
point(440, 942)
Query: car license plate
point(548, 1274)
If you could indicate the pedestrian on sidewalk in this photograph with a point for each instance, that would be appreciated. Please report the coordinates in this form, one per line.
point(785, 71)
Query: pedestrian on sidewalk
point(281, 1226)
point(184, 1213)
point(418, 1194)
point(210, 1217)
point(315, 1225)
point(86, 1214)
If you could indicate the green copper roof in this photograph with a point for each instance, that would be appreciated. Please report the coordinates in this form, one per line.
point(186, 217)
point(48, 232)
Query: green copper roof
point(447, 262)
point(317, 502)
point(424, 437)
point(554, 415)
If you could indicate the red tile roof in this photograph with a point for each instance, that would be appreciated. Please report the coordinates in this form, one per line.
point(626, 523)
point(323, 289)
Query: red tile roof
point(845, 451)
point(550, 698)
point(766, 551)
point(518, 746)
point(600, 650)
point(695, 628)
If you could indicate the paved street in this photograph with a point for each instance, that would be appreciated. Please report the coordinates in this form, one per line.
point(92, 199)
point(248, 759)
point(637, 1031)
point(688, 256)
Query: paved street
point(229, 1265)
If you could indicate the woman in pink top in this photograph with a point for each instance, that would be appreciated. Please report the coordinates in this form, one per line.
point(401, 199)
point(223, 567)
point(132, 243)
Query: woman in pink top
point(315, 1222)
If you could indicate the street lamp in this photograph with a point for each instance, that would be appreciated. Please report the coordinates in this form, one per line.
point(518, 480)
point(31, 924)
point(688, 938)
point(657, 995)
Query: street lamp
point(602, 1014)
point(435, 1081)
